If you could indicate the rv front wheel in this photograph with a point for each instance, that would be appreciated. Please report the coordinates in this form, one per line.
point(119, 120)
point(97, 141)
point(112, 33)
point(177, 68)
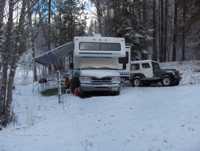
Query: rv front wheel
point(82, 94)
point(116, 93)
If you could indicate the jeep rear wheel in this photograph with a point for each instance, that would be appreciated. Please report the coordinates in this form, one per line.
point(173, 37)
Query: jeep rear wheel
point(166, 81)
point(136, 82)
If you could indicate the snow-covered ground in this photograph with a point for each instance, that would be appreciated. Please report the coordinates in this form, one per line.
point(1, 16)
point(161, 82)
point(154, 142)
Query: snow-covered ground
point(140, 119)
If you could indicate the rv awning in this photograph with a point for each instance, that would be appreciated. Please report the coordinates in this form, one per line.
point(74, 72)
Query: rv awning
point(56, 55)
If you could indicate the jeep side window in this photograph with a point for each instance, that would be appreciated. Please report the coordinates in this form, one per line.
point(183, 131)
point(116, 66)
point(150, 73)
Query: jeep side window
point(145, 65)
point(135, 67)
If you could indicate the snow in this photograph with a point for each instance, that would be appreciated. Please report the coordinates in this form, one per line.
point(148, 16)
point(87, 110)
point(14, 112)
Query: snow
point(140, 119)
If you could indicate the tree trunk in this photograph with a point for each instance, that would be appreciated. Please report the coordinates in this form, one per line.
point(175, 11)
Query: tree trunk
point(18, 49)
point(10, 89)
point(2, 6)
point(5, 58)
point(32, 41)
point(145, 13)
point(155, 53)
point(183, 30)
point(13, 50)
point(99, 16)
point(49, 25)
point(175, 31)
point(35, 78)
point(161, 30)
point(165, 32)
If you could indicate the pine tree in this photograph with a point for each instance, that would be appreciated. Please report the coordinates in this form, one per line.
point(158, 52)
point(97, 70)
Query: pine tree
point(70, 20)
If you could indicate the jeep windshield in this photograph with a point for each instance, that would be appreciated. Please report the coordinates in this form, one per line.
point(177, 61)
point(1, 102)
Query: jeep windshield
point(156, 66)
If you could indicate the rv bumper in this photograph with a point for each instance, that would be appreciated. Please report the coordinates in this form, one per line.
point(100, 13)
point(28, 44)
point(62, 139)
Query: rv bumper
point(88, 87)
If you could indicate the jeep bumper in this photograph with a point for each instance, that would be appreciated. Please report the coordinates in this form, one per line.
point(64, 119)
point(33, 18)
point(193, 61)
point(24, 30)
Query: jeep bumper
point(177, 78)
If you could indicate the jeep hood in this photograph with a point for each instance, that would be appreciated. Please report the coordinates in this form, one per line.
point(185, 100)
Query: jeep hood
point(169, 70)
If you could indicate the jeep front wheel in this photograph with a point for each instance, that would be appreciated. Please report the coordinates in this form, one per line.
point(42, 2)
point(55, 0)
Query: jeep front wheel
point(175, 83)
point(136, 82)
point(166, 81)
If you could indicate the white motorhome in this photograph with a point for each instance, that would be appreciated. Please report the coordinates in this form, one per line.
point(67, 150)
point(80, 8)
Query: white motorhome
point(98, 60)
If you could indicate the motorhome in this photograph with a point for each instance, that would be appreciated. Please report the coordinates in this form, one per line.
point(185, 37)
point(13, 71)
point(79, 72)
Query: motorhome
point(98, 60)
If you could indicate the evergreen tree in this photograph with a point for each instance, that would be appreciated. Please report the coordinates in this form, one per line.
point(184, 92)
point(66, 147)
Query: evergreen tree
point(70, 21)
point(119, 19)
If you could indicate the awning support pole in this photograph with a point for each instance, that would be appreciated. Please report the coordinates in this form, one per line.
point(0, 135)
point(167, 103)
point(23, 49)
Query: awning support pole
point(59, 87)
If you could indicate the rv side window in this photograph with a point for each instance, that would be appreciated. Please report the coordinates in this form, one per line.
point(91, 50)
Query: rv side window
point(95, 46)
point(145, 65)
point(135, 67)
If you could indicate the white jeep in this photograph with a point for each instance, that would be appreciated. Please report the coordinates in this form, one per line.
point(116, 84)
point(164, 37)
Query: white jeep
point(146, 72)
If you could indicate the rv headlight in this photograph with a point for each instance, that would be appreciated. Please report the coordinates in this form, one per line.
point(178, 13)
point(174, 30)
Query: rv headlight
point(85, 78)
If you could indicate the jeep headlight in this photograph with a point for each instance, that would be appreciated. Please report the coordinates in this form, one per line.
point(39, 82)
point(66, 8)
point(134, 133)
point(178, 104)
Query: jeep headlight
point(173, 73)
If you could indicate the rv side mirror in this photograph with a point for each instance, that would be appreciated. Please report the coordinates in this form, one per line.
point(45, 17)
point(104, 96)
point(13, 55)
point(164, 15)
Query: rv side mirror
point(124, 60)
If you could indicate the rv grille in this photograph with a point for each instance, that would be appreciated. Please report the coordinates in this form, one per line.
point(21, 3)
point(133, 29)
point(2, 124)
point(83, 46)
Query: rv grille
point(102, 79)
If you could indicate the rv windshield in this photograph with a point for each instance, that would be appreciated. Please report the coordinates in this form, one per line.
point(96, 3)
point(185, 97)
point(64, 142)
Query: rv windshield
point(99, 68)
point(95, 46)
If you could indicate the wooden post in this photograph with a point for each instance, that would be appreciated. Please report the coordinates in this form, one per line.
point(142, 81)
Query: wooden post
point(59, 87)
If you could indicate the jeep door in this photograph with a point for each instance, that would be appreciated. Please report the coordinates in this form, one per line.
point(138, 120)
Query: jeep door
point(147, 70)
